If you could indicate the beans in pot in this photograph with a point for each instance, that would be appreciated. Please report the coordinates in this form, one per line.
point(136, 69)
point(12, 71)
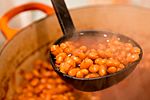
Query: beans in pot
point(41, 82)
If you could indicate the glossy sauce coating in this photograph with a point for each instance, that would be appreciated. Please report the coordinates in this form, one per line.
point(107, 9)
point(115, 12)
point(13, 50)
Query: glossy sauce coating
point(96, 60)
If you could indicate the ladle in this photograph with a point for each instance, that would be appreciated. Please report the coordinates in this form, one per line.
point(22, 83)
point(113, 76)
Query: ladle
point(69, 31)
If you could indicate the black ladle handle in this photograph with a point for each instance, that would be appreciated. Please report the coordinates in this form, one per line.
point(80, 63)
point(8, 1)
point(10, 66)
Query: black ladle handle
point(64, 17)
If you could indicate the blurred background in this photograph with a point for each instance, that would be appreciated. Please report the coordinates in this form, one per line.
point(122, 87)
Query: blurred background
point(26, 18)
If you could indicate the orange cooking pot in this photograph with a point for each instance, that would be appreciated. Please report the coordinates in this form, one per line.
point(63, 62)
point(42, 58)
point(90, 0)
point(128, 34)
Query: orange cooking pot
point(25, 46)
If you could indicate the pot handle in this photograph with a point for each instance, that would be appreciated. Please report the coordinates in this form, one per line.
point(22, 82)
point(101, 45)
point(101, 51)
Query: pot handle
point(10, 32)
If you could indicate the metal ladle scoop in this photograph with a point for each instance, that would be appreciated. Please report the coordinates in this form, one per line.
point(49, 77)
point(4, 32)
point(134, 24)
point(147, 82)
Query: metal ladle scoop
point(69, 31)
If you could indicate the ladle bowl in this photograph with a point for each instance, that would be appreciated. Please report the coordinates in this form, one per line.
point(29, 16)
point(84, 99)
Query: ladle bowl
point(95, 84)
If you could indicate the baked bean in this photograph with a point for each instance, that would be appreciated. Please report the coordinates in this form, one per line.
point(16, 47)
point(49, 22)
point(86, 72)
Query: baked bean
point(79, 53)
point(83, 48)
point(36, 73)
point(70, 61)
point(108, 53)
point(34, 82)
point(86, 63)
point(76, 59)
point(110, 62)
point(41, 87)
point(68, 43)
point(43, 80)
point(55, 49)
point(64, 67)
point(60, 57)
point(59, 81)
point(92, 75)
point(112, 70)
point(82, 55)
point(128, 46)
point(132, 58)
point(102, 70)
point(113, 49)
point(63, 46)
point(94, 68)
point(100, 61)
point(101, 46)
point(84, 71)
point(61, 89)
point(68, 50)
point(116, 63)
point(48, 86)
point(123, 54)
point(45, 73)
point(29, 94)
point(50, 81)
point(121, 66)
point(101, 53)
point(93, 54)
point(79, 74)
point(136, 50)
point(73, 71)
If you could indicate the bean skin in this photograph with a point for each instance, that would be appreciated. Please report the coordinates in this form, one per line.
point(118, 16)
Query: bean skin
point(112, 62)
point(76, 59)
point(102, 70)
point(36, 73)
point(83, 48)
point(34, 82)
point(94, 68)
point(70, 61)
point(128, 46)
point(100, 61)
point(101, 53)
point(92, 75)
point(82, 55)
point(136, 50)
point(55, 49)
point(109, 62)
point(60, 57)
point(132, 58)
point(84, 71)
point(63, 46)
point(68, 50)
point(93, 54)
point(64, 67)
point(79, 74)
point(73, 71)
point(79, 53)
point(86, 63)
point(108, 53)
point(112, 70)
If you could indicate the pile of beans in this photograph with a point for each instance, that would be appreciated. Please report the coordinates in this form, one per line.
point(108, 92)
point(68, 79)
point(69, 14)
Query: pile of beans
point(42, 83)
point(94, 60)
